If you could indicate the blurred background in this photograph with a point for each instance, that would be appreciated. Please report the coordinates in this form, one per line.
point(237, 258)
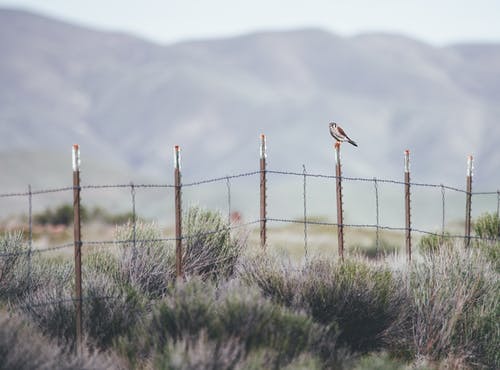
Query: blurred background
point(127, 80)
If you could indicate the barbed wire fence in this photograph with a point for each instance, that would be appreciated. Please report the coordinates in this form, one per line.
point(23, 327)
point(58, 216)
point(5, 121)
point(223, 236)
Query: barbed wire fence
point(180, 238)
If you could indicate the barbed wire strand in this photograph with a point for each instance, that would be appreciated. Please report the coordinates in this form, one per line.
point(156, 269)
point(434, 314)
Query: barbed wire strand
point(246, 174)
point(217, 179)
point(374, 226)
point(304, 174)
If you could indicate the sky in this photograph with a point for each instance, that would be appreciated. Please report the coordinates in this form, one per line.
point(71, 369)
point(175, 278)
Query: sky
point(438, 22)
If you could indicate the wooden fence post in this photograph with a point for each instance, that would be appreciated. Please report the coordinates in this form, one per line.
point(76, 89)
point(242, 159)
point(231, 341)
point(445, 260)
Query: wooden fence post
point(407, 205)
point(178, 212)
point(468, 200)
point(340, 213)
point(78, 246)
point(263, 195)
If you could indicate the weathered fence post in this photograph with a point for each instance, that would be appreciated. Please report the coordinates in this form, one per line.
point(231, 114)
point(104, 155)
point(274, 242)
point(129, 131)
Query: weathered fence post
point(78, 246)
point(468, 200)
point(178, 212)
point(340, 214)
point(263, 188)
point(407, 206)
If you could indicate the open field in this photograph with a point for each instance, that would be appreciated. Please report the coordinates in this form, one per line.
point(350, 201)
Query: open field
point(239, 307)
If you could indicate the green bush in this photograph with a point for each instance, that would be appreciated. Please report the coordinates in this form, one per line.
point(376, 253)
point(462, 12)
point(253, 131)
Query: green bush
point(22, 347)
point(148, 263)
point(14, 266)
point(353, 297)
point(62, 215)
point(49, 301)
point(381, 361)
point(100, 214)
point(204, 353)
point(487, 226)
point(373, 251)
point(432, 243)
point(231, 317)
point(210, 249)
point(453, 308)
point(110, 307)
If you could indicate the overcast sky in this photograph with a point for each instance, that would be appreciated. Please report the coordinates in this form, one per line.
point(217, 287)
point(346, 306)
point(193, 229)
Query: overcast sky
point(438, 22)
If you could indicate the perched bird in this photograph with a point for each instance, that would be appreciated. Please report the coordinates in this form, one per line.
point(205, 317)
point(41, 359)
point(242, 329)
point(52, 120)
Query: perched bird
point(339, 134)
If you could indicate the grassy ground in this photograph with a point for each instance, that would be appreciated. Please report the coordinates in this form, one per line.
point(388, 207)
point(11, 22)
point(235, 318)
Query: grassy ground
point(240, 308)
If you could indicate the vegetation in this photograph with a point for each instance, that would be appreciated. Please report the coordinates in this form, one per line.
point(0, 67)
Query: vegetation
point(236, 310)
point(487, 226)
point(63, 215)
point(432, 243)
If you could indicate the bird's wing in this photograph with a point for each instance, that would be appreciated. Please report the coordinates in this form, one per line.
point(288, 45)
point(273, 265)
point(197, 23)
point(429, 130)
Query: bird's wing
point(341, 131)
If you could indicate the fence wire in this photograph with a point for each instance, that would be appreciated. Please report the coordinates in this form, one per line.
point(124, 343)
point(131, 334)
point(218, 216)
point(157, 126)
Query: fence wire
point(304, 175)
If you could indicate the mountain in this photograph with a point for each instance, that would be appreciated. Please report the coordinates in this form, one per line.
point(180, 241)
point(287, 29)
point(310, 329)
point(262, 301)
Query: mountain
point(127, 101)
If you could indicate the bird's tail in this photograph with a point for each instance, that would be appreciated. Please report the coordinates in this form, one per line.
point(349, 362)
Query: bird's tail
point(352, 142)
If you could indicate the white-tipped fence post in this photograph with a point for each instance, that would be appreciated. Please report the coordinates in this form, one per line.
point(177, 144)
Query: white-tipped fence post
point(407, 205)
point(468, 199)
point(340, 212)
point(263, 195)
point(178, 212)
point(78, 246)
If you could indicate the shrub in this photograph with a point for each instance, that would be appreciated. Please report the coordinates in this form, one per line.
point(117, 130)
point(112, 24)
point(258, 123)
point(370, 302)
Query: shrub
point(373, 251)
point(487, 226)
point(49, 301)
point(231, 317)
point(14, 266)
point(454, 307)
point(62, 215)
point(378, 361)
point(23, 347)
point(210, 249)
point(354, 297)
point(100, 214)
point(204, 353)
point(148, 264)
point(432, 243)
point(109, 307)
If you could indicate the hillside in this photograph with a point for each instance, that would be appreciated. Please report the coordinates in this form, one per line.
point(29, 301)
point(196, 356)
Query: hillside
point(127, 101)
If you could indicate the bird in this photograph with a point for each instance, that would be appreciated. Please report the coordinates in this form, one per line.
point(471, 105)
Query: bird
point(339, 134)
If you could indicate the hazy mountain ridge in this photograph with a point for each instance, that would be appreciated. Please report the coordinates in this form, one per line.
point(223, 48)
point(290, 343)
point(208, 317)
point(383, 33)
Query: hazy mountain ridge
point(128, 101)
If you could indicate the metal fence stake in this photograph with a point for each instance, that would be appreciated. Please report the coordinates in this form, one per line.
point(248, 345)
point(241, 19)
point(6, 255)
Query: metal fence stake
point(468, 200)
point(407, 205)
point(340, 214)
point(78, 247)
point(263, 196)
point(178, 212)
point(377, 218)
point(304, 196)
